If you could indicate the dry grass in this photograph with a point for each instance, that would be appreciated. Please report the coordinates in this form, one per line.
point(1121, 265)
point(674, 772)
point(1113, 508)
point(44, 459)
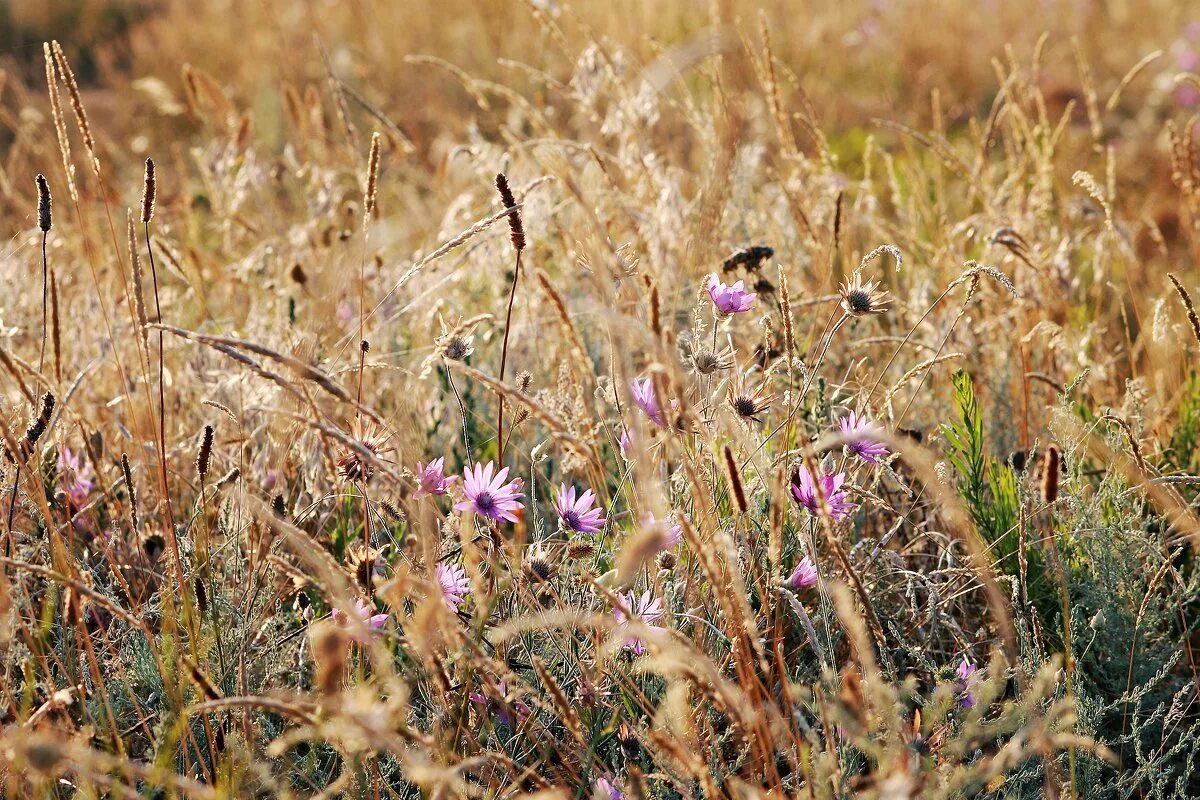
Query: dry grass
point(360, 237)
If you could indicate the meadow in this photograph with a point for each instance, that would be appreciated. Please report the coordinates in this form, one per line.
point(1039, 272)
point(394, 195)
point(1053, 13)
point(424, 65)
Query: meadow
point(523, 398)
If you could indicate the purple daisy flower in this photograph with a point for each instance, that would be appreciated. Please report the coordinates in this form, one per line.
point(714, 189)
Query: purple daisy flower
point(362, 610)
point(964, 672)
point(432, 479)
point(578, 514)
point(606, 789)
point(805, 574)
point(645, 398)
point(487, 495)
point(454, 584)
point(647, 609)
point(862, 442)
point(830, 498)
point(729, 299)
point(76, 477)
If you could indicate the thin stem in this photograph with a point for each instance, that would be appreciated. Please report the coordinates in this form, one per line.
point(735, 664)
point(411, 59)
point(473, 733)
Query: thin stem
point(512, 294)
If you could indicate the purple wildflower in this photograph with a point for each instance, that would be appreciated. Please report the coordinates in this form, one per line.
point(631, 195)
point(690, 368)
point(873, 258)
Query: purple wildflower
point(831, 498)
point(373, 622)
point(805, 574)
point(500, 708)
point(76, 477)
point(729, 299)
point(454, 584)
point(578, 515)
point(647, 609)
point(606, 789)
point(487, 495)
point(431, 479)
point(862, 443)
point(964, 672)
point(645, 398)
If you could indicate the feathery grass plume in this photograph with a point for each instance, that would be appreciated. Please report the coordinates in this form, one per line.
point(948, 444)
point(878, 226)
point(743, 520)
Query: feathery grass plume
point(132, 489)
point(85, 129)
point(372, 178)
point(149, 192)
point(60, 124)
point(735, 480)
point(205, 451)
point(1051, 468)
point(139, 297)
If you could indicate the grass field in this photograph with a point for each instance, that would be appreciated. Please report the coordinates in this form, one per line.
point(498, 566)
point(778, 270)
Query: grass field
point(505, 398)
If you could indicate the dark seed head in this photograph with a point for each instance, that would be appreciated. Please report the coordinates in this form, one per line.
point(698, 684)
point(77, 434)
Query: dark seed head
point(45, 211)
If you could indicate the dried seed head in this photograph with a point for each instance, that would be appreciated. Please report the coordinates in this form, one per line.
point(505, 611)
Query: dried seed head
point(515, 228)
point(1051, 467)
point(580, 549)
point(133, 507)
point(860, 299)
point(752, 258)
point(149, 190)
point(538, 569)
point(278, 507)
point(706, 361)
point(45, 206)
point(205, 453)
point(298, 274)
point(735, 480)
point(201, 594)
point(667, 560)
point(372, 177)
point(228, 479)
point(39, 425)
point(153, 546)
point(456, 347)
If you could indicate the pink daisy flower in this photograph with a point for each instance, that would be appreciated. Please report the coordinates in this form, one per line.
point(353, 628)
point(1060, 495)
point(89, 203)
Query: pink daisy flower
point(487, 495)
point(454, 583)
point(76, 477)
point(805, 574)
point(606, 789)
point(578, 515)
point(363, 611)
point(431, 479)
point(830, 498)
point(645, 398)
point(729, 299)
point(863, 444)
point(964, 672)
point(647, 609)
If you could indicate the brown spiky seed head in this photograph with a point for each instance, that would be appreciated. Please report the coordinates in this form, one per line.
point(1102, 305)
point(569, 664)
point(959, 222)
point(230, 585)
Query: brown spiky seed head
point(45, 205)
point(204, 456)
point(515, 228)
point(149, 191)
